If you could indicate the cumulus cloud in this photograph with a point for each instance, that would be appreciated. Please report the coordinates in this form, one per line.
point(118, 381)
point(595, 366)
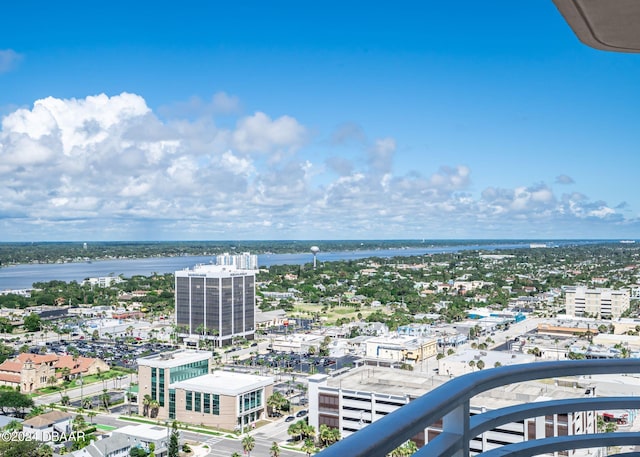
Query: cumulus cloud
point(259, 133)
point(9, 60)
point(109, 167)
point(564, 179)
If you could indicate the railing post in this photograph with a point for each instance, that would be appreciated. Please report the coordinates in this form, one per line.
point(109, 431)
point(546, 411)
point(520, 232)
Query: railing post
point(457, 422)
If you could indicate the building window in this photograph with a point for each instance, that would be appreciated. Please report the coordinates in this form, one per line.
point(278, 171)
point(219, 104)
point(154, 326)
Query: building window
point(188, 371)
point(154, 380)
point(215, 404)
point(250, 400)
point(161, 387)
point(198, 401)
point(189, 402)
point(328, 402)
point(172, 404)
point(207, 403)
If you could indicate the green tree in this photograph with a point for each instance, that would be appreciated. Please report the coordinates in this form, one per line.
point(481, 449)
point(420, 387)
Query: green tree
point(6, 351)
point(14, 402)
point(105, 399)
point(274, 450)
point(308, 447)
point(32, 323)
point(174, 441)
point(146, 402)
point(137, 452)
point(19, 448)
point(328, 435)
point(276, 402)
point(154, 406)
point(295, 430)
point(248, 443)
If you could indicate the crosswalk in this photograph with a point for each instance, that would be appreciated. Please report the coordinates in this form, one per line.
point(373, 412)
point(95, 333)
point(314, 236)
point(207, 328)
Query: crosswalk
point(211, 442)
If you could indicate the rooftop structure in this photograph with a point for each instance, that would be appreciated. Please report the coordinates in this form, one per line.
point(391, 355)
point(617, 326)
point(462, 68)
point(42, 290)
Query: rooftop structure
point(174, 359)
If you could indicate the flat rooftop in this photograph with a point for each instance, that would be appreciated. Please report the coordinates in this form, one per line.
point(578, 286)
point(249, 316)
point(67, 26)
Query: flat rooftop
point(224, 383)
point(147, 431)
point(174, 358)
point(401, 383)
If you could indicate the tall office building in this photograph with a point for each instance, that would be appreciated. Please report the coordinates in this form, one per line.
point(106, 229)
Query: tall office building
point(215, 302)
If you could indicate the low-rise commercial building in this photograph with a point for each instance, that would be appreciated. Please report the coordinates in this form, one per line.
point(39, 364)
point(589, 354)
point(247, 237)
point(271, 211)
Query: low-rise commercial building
point(182, 386)
point(401, 348)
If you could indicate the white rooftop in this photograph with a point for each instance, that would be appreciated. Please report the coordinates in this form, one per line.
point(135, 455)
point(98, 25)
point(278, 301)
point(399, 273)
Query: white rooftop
point(146, 431)
point(224, 383)
point(174, 358)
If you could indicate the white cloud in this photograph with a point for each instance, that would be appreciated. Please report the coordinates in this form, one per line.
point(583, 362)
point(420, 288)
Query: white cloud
point(109, 167)
point(9, 60)
point(564, 179)
point(259, 133)
point(224, 103)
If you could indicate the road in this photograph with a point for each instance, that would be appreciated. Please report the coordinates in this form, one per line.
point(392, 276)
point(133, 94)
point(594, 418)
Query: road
point(88, 390)
point(220, 446)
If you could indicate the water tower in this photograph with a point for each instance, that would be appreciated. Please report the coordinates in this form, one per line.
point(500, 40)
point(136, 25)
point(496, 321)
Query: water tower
point(314, 251)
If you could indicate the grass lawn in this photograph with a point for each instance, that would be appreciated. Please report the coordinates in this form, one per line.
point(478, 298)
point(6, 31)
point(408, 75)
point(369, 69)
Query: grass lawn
point(306, 310)
point(106, 428)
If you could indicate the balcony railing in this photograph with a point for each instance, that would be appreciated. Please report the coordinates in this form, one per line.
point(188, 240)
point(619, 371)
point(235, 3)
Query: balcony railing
point(451, 403)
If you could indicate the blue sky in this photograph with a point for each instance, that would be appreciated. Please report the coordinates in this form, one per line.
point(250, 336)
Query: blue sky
point(292, 120)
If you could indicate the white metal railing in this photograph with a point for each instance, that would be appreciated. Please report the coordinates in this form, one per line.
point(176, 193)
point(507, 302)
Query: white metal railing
point(451, 402)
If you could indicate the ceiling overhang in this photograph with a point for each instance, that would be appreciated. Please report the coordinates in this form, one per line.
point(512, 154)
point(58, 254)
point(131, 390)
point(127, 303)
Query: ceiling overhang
point(608, 25)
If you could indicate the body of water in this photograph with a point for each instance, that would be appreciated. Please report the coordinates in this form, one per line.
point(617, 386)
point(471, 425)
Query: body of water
point(23, 276)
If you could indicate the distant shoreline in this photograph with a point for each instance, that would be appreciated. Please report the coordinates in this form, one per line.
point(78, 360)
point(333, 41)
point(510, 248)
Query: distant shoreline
point(65, 252)
point(24, 275)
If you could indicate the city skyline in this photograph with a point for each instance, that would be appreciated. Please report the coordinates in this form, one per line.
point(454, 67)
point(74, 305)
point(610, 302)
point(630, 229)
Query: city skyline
point(281, 121)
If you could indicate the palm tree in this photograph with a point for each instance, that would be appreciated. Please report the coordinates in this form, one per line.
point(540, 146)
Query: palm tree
point(295, 430)
point(35, 411)
point(248, 443)
point(328, 435)
point(87, 403)
point(91, 415)
point(146, 401)
point(65, 400)
point(154, 406)
point(79, 423)
point(13, 425)
point(308, 431)
point(274, 450)
point(308, 447)
point(65, 372)
point(276, 401)
point(105, 399)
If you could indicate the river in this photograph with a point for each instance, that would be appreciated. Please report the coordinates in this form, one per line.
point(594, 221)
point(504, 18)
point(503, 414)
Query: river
point(23, 276)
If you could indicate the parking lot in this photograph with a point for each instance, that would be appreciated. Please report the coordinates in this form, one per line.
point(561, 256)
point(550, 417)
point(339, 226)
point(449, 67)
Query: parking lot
point(299, 363)
point(114, 353)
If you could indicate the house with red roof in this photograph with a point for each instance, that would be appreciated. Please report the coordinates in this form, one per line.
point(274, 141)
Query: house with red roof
point(30, 372)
